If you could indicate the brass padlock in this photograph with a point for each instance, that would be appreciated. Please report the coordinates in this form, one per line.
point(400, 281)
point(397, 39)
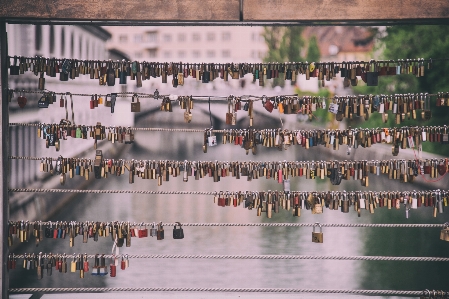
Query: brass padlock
point(317, 237)
point(41, 84)
point(135, 106)
point(444, 234)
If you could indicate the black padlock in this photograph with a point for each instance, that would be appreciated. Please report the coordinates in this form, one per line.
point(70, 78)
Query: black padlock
point(268, 72)
point(372, 76)
point(160, 232)
point(43, 102)
point(48, 232)
point(343, 70)
point(63, 76)
point(110, 75)
point(14, 70)
point(123, 74)
point(98, 164)
point(206, 74)
point(41, 84)
point(178, 233)
point(288, 75)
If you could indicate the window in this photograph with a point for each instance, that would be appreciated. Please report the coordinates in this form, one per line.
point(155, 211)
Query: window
point(62, 42)
point(138, 54)
point(257, 37)
point(37, 37)
point(167, 38)
point(52, 39)
point(123, 39)
point(182, 37)
point(226, 36)
point(152, 53)
point(182, 54)
point(210, 36)
point(151, 37)
point(81, 47)
point(72, 45)
point(167, 54)
point(196, 37)
point(138, 38)
point(226, 53)
point(210, 54)
point(196, 54)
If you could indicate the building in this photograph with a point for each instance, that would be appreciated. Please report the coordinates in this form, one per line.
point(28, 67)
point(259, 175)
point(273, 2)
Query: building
point(338, 43)
point(58, 41)
point(190, 44)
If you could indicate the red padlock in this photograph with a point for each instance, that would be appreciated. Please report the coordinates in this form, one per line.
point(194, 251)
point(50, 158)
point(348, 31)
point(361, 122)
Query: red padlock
point(86, 264)
point(113, 270)
point(91, 103)
point(123, 264)
point(268, 105)
point(22, 101)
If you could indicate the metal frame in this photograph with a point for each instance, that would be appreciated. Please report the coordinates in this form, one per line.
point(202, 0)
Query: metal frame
point(45, 21)
point(4, 148)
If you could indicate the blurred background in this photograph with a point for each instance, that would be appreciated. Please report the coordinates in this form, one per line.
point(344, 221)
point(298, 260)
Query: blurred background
point(223, 45)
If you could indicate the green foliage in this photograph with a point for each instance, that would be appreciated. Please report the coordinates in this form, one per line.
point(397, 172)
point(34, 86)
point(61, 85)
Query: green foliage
point(313, 52)
point(284, 45)
point(412, 42)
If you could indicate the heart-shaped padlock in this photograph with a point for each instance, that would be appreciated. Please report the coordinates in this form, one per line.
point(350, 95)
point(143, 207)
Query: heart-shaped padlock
point(22, 101)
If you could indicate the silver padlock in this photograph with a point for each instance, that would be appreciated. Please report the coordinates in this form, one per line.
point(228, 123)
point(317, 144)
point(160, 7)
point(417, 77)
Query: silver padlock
point(153, 230)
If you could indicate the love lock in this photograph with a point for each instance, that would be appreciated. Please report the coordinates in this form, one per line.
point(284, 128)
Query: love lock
point(317, 237)
point(178, 233)
point(444, 234)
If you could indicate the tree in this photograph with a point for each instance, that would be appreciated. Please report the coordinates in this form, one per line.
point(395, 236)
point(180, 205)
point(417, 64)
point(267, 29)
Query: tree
point(284, 45)
point(413, 42)
point(313, 52)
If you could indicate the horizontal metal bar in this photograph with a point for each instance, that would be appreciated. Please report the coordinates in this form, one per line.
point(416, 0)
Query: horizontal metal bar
point(444, 21)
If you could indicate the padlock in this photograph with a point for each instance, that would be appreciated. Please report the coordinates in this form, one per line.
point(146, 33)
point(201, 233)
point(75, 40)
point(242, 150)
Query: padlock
point(110, 75)
point(178, 233)
point(268, 105)
point(112, 269)
point(21, 100)
point(317, 237)
point(41, 84)
point(372, 76)
point(160, 232)
point(135, 106)
point(444, 234)
point(153, 230)
point(143, 233)
point(43, 102)
point(14, 70)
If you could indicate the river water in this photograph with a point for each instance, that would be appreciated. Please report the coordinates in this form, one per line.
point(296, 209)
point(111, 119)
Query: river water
point(214, 273)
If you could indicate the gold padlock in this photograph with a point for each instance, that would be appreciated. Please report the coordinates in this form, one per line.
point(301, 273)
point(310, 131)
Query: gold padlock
point(444, 234)
point(317, 237)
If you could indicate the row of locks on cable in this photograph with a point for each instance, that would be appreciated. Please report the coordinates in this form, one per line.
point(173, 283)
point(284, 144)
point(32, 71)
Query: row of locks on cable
point(409, 136)
point(403, 170)
point(63, 263)
point(272, 201)
point(404, 137)
point(120, 232)
point(106, 72)
point(404, 107)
